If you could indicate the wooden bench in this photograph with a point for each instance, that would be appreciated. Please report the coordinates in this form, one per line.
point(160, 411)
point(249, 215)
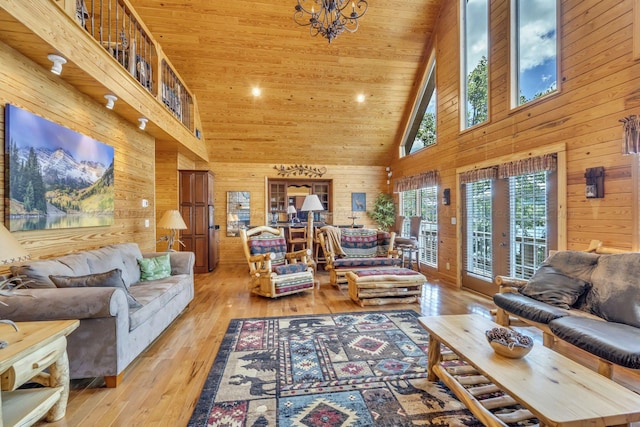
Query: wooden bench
point(385, 286)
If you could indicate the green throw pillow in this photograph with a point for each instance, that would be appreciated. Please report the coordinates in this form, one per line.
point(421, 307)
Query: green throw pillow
point(154, 268)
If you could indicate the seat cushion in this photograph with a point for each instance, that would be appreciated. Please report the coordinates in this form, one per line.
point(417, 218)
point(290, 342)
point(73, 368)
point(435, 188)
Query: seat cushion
point(551, 286)
point(290, 268)
point(352, 263)
point(528, 308)
point(616, 342)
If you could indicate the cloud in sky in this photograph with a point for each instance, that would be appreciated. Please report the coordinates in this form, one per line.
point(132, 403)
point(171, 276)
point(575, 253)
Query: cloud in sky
point(537, 42)
point(537, 32)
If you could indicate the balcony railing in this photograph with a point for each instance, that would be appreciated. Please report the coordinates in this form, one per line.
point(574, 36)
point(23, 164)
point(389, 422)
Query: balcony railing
point(175, 95)
point(116, 27)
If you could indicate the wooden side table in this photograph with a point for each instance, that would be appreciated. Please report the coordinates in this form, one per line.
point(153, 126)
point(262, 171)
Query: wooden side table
point(34, 348)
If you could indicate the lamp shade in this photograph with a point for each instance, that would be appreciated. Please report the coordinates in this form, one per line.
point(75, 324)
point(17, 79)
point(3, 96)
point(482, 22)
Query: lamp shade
point(291, 209)
point(312, 203)
point(172, 220)
point(10, 249)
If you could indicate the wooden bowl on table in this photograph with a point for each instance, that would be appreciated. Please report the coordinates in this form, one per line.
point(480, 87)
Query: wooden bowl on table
point(509, 343)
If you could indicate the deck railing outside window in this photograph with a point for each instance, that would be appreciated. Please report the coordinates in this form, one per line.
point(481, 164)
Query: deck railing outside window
point(115, 27)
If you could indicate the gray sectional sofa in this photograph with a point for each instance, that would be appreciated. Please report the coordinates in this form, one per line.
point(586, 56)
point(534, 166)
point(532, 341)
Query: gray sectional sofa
point(120, 316)
point(589, 300)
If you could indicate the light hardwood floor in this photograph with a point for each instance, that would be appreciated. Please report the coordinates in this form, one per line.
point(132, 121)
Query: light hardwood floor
point(162, 386)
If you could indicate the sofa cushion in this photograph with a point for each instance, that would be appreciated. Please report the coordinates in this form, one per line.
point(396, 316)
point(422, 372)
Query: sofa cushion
point(267, 242)
point(616, 286)
point(551, 286)
point(528, 308)
point(122, 256)
point(359, 242)
point(109, 279)
point(38, 272)
point(154, 268)
point(154, 295)
point(616, 342)
point(574, 263)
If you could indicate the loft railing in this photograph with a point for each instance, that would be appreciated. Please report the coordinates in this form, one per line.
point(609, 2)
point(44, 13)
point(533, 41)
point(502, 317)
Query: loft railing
point(115, 26)
point(175, 95)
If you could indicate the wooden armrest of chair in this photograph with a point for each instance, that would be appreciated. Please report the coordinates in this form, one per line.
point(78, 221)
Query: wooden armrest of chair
point(509, 284)
point(302, 255)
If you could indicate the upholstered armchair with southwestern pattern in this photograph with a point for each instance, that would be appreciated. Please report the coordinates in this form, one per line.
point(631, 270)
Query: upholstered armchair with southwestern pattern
point(274, 271)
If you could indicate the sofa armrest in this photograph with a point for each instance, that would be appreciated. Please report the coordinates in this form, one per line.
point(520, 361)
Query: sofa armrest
point(509, 284)
point(181, 262)
point(64, 303)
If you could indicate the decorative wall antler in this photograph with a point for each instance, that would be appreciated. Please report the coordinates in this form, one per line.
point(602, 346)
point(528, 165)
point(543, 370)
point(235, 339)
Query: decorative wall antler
point(300, 170)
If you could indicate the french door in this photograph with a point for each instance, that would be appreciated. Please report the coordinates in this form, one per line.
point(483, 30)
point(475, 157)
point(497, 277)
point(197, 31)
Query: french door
point(508, 227)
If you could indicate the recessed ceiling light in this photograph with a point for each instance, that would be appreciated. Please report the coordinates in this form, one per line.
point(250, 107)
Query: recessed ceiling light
point(361, 97)
point(256, 91)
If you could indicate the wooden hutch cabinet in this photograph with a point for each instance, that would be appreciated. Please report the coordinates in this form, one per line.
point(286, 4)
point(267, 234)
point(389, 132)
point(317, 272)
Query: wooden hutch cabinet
point(281, 195)
point(197, 209)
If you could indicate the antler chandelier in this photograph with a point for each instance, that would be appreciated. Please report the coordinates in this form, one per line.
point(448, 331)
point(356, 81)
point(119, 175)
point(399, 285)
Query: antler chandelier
point(331, 18)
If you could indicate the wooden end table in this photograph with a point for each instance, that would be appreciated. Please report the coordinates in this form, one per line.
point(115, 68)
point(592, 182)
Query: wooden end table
point(557, 390)
point(34, 348)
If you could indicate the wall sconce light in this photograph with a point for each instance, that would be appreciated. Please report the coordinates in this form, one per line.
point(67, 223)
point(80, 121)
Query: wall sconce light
point(143, 123)
point(111, 100)
point(58, 62)
point(389, 174)
point(446, 197)
point(595, 183)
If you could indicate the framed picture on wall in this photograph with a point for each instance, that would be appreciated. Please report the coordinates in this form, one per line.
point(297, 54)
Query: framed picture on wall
point(58, 178)
point(358, 202)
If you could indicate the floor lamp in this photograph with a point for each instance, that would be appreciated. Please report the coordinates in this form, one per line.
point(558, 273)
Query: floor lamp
point(172, 220)
point(311, 203)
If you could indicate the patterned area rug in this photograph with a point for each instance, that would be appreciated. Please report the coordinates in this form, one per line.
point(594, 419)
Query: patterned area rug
point(349, 369)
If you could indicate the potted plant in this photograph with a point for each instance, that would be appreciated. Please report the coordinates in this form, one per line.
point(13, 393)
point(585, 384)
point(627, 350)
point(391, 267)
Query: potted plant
point(384, 211)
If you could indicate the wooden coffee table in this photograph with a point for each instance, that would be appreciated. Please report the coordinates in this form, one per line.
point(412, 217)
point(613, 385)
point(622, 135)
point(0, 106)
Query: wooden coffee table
point(557, 390)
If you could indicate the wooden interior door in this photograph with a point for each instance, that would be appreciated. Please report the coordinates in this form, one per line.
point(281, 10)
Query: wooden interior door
point(196, 195)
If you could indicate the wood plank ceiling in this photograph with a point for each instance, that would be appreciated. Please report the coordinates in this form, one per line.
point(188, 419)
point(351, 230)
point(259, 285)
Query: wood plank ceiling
point(307, 112)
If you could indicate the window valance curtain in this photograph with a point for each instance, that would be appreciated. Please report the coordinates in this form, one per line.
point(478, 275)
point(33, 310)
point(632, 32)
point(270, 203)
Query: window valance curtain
point(546, 162)
point(426, 179)
point(478, 175)
point(542, 163)
point(630, 135)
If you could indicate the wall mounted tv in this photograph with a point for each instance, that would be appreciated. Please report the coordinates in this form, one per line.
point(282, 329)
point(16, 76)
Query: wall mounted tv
point(57, 178)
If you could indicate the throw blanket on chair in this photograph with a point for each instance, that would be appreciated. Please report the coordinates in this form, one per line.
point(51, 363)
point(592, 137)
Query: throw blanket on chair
point(333, 240)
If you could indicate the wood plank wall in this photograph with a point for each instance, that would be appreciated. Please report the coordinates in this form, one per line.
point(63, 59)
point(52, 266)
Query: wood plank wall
point(251, 177)
point(31, 87)
point(599, 84)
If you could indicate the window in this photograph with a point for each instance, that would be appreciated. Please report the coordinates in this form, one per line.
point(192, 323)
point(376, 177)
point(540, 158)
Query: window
point(479, 259)
point(423, 202)
point(421, 132)
point(429, 226)
point(534, 48)
point(509, 220)
point(474, 39)
point(528, 204)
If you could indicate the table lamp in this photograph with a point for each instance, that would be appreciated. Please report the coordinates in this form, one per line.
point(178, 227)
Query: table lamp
point(291, 210)
point(172, 220)
point(311, 203)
